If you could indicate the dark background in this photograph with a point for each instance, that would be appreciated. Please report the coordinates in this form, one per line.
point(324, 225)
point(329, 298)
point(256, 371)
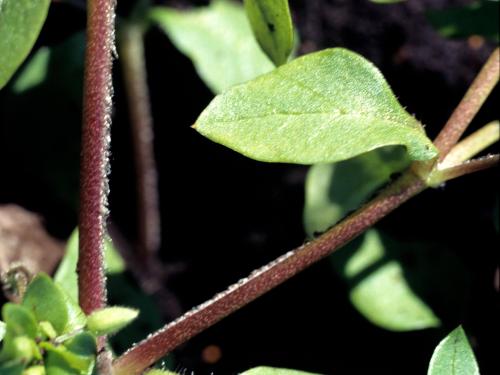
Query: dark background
point(224, 215)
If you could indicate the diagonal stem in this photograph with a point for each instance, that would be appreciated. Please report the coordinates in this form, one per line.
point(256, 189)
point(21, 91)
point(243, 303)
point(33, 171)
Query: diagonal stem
point(264, 279)
point(477, 93)
point(95, 153)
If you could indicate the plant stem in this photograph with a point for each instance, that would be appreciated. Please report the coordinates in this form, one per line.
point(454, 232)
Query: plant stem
point(472, 145)
point(94, 154)
point(469, 106)
point(468, 167)
point(134, 74)
point(266, 278)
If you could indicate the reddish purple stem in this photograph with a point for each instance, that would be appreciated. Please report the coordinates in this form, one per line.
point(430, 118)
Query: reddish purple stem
point(94, 153)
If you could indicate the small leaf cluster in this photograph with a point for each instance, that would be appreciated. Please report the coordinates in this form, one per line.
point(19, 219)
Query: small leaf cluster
point(48, 333)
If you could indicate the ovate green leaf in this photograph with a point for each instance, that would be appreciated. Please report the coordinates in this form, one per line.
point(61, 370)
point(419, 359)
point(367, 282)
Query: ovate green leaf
point(262, 370)
point(272, 25)
point(20, 24)
point(219, 41)
point(453, 356)
point(323, 107)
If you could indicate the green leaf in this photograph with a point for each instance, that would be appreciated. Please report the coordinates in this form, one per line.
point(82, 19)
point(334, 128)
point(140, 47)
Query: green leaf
point(323, 107)
point(110, 319)
point(49, 303)
point(479, 18)
point(453, 356)
point(83, 344)
point(66, 276)
point(219, 41)
point(262, 370)
point(60, 357)
point(378, 283)
point(19, 320)
point(12, 368)
point(20, 24)
point(334, 190)
point(272, 25)
point(34, 72)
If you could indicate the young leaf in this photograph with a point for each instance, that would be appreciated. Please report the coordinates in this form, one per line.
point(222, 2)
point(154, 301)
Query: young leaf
point(66, 359)
point(219, 41)
point(110, 319)
point(272, 25)
point(19, 320)
point(323, 107)
point(454, 356)
point(262, 370)
point(20, 24)
point(49, 303)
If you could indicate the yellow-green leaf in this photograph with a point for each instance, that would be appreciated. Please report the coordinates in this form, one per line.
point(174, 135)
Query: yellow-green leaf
point(323, 107)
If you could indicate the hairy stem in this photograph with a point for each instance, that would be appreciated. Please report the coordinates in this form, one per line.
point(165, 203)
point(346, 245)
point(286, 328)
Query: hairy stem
point(469, 106)
point(266, 278)
point(134, 74)
point(94, 153)
point(472, 145)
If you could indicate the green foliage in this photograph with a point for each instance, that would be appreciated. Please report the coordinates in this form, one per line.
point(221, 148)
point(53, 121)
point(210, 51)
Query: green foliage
point(110, 319)
point(272, 25)
point(479, 18)
point(333, 190)
point(274, 371)
point(66, 275)
point(48, 334)
point(219, 41)
point(323, 107)
point(20, 24)
point(379, 288)
point(49, 303)
point(453, 356)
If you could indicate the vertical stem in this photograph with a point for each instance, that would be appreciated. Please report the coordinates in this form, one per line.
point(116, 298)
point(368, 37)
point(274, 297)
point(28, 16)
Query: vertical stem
point(477, 93)
point(95, 153)
point(134, 75)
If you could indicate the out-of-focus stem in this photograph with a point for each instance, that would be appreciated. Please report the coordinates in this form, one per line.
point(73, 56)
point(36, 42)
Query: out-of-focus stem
point(134, 75)
point(472, 145)
point(471, 166)
point(477, 93)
